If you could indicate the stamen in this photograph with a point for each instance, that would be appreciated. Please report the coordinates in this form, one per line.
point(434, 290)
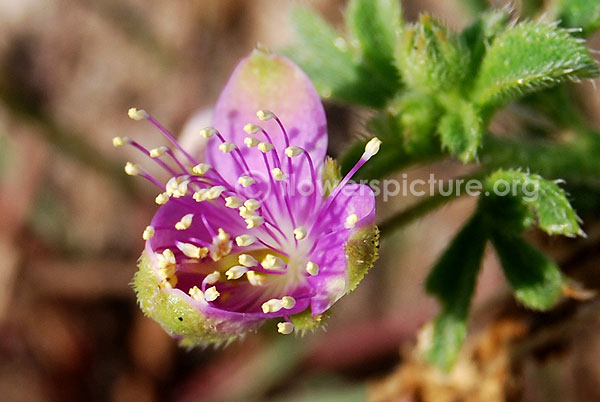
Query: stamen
point(312, 268)
point(236, 272)
point(252, 204)
point(148, 233)
point(201, 168)
point(120, 141)
point(255, 278)
point(208, 132)
point(245, 240)
point(271, 306)
point(288, 302)
point(162, 198)
point(251, 142)
point(265, 147)
point(285, 328)
point(272, 262)
point(278, 174)
point(227, 147)
point(211, 294)
point(247, 260)
point(223, 235)
point(254, 221)
point(132, 169)
point(213, 278)
point(196, 294)
point(158, 152)
point(136, 114)
point(166, 258)
point(251, 128)
point(233, 202)
point(170, 137)
point(200, 195)
point(215, 192)
point(185, 222)
point(264, 115)
point(192, 251)
point(246, 181)
point(351, 221)
point(293, 150)
point(300, 233)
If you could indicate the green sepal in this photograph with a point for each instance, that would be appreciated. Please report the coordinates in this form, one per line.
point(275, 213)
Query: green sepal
point(362, 250)
point(536, 280)
point(305, 321)
point(452, 280)
point(461, 129)
point(544, 199)
point(528, 57)
point(174, 312)
point(431, 58)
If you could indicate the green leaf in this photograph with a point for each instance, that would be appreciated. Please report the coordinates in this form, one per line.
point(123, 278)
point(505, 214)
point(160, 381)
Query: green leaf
point(452, 280)
point(430, 57)
point(584, 14)
point(528, 57)
point(544, 198)
point(418, 115)
point(332, 64)
point(461, 130)
point(536, 280)
point(374, 26)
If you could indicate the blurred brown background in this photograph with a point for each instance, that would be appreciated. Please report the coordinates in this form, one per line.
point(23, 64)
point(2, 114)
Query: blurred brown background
point(71, 224)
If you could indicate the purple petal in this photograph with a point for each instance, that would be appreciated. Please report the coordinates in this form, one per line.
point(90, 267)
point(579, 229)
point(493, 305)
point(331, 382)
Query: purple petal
point(266, 81)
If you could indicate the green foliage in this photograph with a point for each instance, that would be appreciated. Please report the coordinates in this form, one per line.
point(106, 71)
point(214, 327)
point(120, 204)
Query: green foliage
point(584, 14)
point(452, 280)
point(536, 280)
point(544, 199)
point(528, 57)
point(434, 92)
point(357, 75)
point(429, 57)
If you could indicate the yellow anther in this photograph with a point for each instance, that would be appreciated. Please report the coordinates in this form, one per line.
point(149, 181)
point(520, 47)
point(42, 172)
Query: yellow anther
point(293, 150)
point(201, 169)
point(255, 278)
point(312, 268)
point(271, 306)
point(300, 233)
point(288, 302)
point(211, 294)
point(236, 272)
point(285, 328)
point(278, 174)
point(200, 195)
point(196, 294)
point(120, 141)
point(165, 259)
point(192, 251)
point(351, 221)
point(158, 152)
point(162, 198)
point(246, 213)
point(265, 147)
point(166, 272)
point(223, 236)
point(148, 233)
point(227, 147)
point(177, 186)
point(247, 260)
point(251, 128)
point(252, 204)
point(185, 222)
point(254, 221)
point(273, 262)
point(246, 181)
point(207, 132)
point(132, 169)
point(213, 278)
point(245, 240)
point(233, 202)
point(215, 192)
point(136, 114)
point(168, 283)
point(264, 115)
point(372, 147)
point(251, 142)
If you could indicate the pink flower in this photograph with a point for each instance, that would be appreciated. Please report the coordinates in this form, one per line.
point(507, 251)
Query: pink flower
point(252, 233)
